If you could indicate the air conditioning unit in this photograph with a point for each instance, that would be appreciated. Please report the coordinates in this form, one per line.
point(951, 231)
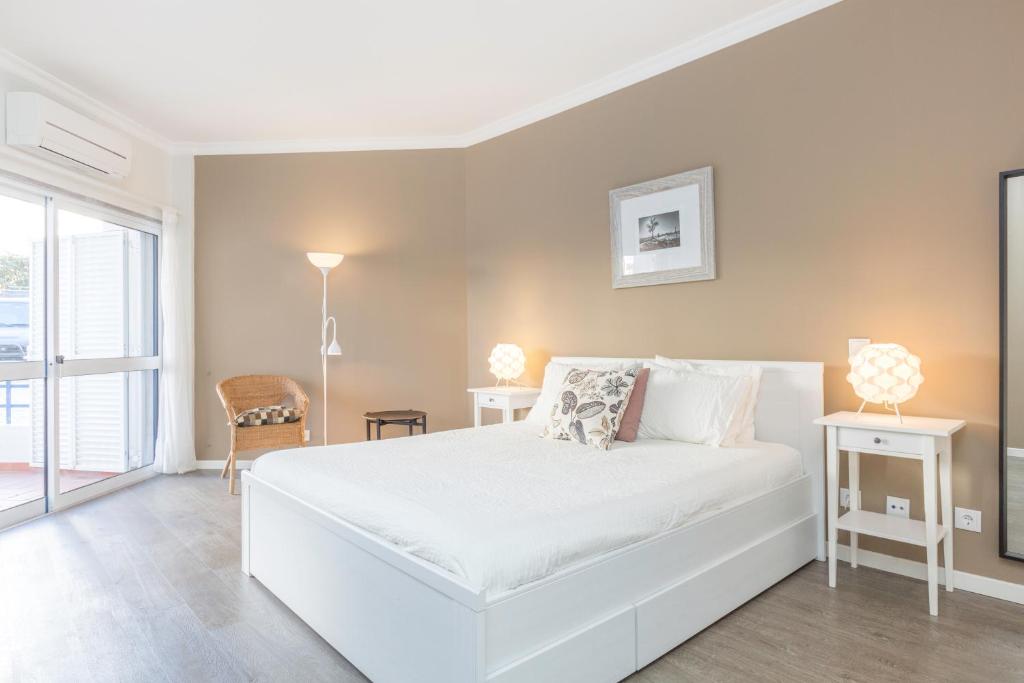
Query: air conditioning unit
point(45, 128)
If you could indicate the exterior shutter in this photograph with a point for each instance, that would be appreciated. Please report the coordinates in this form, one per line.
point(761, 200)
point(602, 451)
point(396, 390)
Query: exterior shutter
point(92, 410)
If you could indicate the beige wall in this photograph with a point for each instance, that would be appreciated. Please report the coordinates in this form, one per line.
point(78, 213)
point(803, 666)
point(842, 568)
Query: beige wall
point(856, 154)
point(399, 296)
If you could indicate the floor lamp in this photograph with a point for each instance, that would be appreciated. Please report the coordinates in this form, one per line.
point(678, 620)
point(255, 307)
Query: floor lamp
point(325, 262)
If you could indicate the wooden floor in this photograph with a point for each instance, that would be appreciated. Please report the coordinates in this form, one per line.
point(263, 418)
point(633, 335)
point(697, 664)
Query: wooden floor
point(143, 585)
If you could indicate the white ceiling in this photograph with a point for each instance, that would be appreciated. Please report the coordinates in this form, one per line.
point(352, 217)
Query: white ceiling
point(456, 71)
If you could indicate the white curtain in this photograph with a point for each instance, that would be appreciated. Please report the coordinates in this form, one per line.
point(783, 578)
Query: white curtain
point(175, 439)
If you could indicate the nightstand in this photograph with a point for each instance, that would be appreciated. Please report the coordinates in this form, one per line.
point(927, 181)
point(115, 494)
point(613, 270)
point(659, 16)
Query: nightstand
point(505, 399)
point(928, 440)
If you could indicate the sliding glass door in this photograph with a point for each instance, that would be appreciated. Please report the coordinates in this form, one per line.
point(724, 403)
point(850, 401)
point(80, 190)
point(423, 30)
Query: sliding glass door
point(22, 354)
point(84, 280)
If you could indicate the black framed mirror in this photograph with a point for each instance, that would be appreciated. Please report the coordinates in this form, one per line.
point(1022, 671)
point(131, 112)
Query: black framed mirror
point(1011, 364)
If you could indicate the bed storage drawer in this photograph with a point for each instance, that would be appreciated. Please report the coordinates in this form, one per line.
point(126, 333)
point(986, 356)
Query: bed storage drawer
point(603, 651)
point(673, 615)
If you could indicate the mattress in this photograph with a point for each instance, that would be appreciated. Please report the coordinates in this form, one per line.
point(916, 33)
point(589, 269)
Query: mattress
point(501, 507)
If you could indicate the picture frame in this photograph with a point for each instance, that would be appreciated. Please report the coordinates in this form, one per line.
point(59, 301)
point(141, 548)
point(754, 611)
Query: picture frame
point(663, 231)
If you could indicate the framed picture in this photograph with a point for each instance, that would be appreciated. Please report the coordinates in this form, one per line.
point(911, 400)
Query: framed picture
point(664, 230)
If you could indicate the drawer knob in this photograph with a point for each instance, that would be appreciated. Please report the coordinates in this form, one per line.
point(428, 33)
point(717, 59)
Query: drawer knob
point(878, 440)
point(490, 400)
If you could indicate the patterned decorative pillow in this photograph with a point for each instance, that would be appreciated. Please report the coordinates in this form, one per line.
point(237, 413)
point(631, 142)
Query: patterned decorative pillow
point(590, 406)
point(269, 415)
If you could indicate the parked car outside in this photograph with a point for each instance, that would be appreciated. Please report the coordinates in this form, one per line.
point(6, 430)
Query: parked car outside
point(13, 328)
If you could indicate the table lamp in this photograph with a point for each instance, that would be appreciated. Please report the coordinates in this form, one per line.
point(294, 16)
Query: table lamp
point(885, 374)
point(507, 362)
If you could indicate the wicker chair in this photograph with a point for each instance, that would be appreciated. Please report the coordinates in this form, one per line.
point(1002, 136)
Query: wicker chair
point(256, 391)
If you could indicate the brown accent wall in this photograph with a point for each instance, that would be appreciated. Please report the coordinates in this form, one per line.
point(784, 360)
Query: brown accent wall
point(399, 296)
point(856, 154)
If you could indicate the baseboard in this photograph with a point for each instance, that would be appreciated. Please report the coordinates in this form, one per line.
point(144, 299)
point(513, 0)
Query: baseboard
point(972, 583)
point(219, 464)
point(1015, 452)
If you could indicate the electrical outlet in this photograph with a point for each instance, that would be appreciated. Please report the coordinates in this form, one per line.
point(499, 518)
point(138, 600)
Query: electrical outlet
point(897, 506)
point(844, 498)
point(855, 344)
point(967, 519)
point(305, 435)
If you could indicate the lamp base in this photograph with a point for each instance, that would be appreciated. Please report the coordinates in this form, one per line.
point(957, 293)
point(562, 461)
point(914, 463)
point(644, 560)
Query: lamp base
point(894, 406)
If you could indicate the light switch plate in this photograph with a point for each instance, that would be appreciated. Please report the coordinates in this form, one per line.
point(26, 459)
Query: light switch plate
point(855, 344)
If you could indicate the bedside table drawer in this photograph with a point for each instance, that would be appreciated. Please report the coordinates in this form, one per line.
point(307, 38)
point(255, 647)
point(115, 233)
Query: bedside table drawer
point(851, 439)
point(505, 399)
point(492, 400)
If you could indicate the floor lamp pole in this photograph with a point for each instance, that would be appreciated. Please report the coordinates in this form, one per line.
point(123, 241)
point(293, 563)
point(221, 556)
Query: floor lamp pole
point(323, 348)
point(325, 261)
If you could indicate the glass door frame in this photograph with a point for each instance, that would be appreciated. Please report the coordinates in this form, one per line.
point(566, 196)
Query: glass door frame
point(52, 368)
point(15, 371)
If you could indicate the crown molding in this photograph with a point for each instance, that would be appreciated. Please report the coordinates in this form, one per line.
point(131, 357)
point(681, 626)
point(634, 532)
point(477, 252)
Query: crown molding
point(760, 22)
point(77, 99)
point(328, 145)
point(690, 51)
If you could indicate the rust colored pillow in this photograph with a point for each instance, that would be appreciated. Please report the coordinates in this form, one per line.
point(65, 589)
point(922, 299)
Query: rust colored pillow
point(630, 422)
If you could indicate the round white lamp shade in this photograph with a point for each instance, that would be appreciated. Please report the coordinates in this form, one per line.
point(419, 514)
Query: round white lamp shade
point(507, 362)
point(885, 373)
point(323, 259)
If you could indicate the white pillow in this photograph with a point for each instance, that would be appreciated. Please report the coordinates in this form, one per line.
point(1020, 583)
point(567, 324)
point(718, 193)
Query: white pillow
point(554, 377)
point(695, 407)
point(742, 429)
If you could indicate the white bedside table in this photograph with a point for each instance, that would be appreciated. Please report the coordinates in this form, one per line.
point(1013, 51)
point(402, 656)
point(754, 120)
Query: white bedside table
point(918, 438)
point(505, 399)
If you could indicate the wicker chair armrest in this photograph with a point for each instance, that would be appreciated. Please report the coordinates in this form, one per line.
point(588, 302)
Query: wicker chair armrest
point(299, 398)
point(227, 402)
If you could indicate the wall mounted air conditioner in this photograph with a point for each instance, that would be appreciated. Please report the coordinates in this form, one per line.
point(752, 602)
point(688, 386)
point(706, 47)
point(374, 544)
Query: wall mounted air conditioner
point(45, 128)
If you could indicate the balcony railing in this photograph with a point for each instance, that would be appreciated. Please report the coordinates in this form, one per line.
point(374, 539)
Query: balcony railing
point(8, 406)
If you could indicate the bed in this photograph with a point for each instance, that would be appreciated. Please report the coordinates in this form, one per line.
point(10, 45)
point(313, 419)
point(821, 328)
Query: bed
point(489, 554)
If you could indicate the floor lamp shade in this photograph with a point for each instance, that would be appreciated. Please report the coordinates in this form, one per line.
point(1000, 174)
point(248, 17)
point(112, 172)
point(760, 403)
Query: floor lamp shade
point(324, 259)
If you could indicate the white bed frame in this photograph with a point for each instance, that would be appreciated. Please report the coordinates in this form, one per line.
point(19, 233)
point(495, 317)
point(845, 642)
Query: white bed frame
point(399, 618)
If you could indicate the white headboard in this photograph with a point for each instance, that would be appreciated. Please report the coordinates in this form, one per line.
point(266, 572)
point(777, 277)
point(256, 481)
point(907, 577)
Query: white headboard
point(790, 398)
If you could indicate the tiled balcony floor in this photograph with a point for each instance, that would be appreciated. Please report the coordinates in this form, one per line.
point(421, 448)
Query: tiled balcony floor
point(22, 483)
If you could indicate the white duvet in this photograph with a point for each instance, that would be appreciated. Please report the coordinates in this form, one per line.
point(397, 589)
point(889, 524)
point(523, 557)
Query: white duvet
point(501, 507)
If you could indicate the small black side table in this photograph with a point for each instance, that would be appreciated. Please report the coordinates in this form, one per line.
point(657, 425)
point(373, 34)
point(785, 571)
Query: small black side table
point(408, 418)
